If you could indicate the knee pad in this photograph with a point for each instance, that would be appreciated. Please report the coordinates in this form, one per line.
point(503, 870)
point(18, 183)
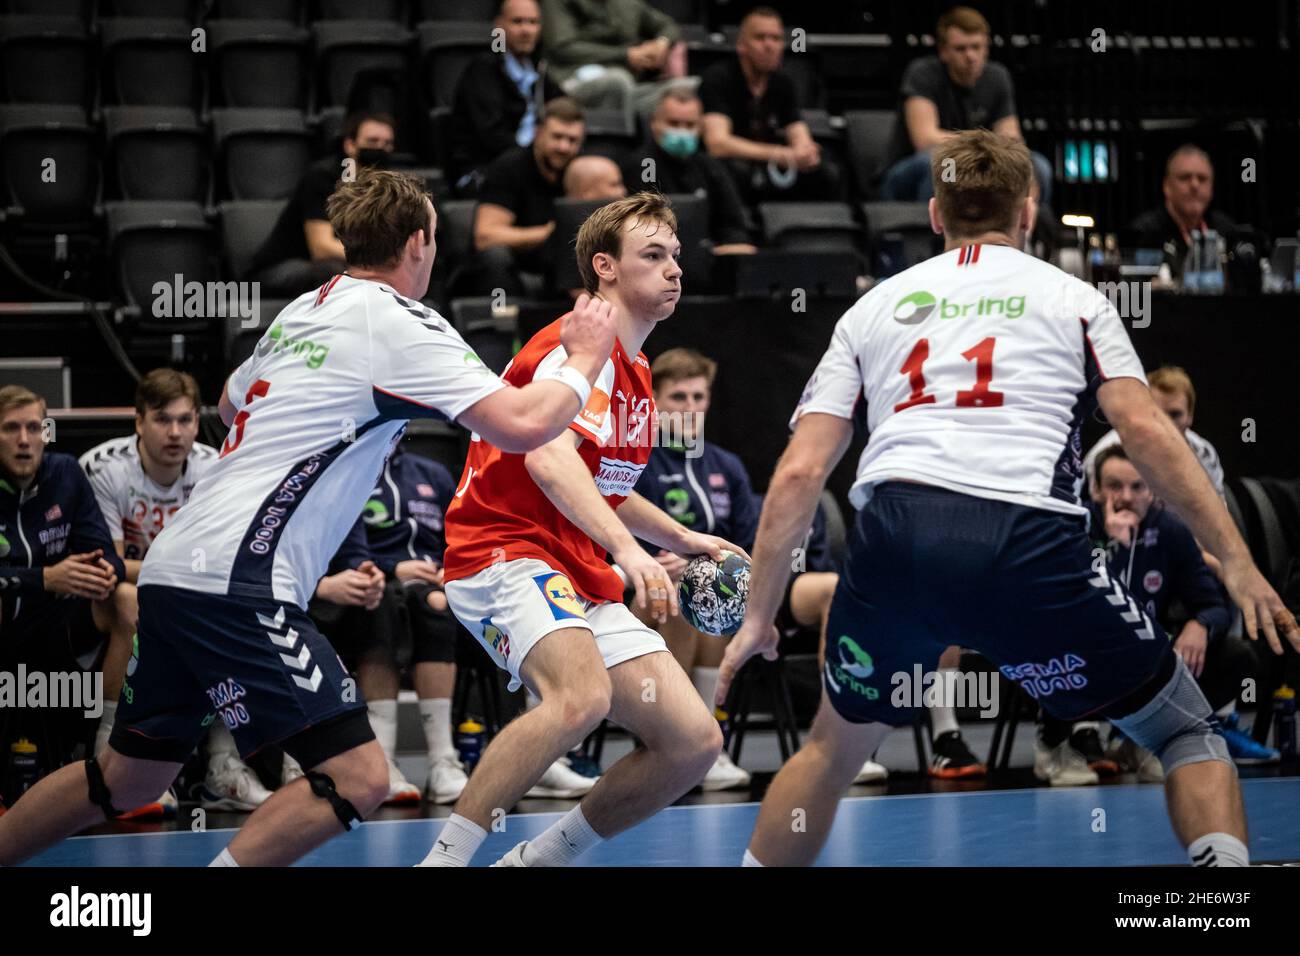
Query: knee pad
point(99, 794)
point(1176, 724)
point(322, 786)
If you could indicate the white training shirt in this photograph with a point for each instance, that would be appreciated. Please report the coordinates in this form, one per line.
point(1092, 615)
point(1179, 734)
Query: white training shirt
point(322, 401)
point(135, 507)
point(978, 367)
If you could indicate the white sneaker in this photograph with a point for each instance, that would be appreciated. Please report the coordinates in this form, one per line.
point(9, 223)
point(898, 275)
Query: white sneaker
point(515, 857)
point(446, 780)
point(400, 790)
point(290, 771)
point(231, 785)
point(1062, 765)
point(725, 775)
point(1134, 758)
point(561, 783)
point(871, 772)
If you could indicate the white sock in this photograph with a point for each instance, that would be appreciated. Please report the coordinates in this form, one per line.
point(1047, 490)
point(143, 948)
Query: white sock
point(1218, 849)
point(220, 745)
point(224, 859)
point(943, 719)
point(435, 717)
point(705, 680)
point(383, 721)
point(456, 843)
point(750, 860)
point(105, 728)
point(563, 842)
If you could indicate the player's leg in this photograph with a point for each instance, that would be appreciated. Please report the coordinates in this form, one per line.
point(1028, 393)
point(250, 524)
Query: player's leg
point(434, 633)
point(116, 617)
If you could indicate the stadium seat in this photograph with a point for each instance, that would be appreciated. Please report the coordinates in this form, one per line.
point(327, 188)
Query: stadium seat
point(898, 235)
point(446, 47)
point(239, 340)
point(260, 63)
point(810, 226)
point(570, 214)
point(683, 11)
point(51, 166)
point(431, 177)
point(157, 152)
point(154, 242)
point(245, 224)
point(696, 260)
point(150, 62)
point(392, 10)
point(45, 59)
point(609, 132)
point(438, 130)
point(870, 134)
point(482, 10)
point(188, 10)
point(491, 333)
point(345, 48)
point(455, 232)
point(778, 273)
point(290, 11)
point(261, 153)
point(81, 9)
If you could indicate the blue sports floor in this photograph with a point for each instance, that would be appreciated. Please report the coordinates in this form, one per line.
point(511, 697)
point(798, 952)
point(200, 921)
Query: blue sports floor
point(1032, 827)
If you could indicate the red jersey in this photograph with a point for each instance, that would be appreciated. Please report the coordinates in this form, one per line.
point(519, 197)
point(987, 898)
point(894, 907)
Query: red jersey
point(500, 514)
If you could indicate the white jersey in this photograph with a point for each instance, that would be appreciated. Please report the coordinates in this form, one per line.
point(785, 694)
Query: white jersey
point(1204, 451)
point(321, 401)
point(135, 507)
point(978, 367)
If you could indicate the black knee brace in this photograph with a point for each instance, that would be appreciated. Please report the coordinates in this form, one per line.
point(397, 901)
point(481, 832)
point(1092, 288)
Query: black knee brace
point(99, 794)
point(323, 786)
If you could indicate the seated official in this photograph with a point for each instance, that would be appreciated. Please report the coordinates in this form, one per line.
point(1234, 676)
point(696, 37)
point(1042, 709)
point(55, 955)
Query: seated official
point(1188, 188)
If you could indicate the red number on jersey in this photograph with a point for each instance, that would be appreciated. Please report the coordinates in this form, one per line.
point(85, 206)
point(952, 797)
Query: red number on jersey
point(912, 369)
point(980, 396)
point(259, 388)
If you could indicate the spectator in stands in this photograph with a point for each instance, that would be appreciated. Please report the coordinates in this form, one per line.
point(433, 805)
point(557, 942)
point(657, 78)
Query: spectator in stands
point(1189, 189)
point(408, 623)
point(516, 203)
point(59, 572)
point(751, 119)
point(677, 165)
point(140, 480)
point(593, 177)
point(500, 97)
point(956, 90)
point(612, 53)
point(302, 251)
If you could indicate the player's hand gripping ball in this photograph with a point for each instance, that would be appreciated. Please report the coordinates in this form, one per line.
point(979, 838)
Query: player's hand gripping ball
point(714, 594)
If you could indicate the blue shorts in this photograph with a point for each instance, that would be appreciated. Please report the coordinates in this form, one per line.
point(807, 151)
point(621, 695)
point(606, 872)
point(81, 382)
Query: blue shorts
point(259, 666)
point(928, 568)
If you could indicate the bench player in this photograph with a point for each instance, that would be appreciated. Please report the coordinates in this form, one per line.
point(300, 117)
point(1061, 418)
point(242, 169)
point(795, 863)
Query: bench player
point(978, 367)
point(526, 572)
point(223, 591)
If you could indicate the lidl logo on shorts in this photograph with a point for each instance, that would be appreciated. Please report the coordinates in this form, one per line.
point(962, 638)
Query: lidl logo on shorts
point(853, 667)
point(560, 596)
point(914, 308)
point(496, 637)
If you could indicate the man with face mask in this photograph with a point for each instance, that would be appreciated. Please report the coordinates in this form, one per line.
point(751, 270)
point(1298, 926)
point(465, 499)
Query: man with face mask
point(302, 251)
point(672, 161)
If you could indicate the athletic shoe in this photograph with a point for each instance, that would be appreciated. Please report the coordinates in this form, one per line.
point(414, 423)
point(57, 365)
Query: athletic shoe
point(724, 775)
point(400, 790)
point(231, 785)
point(1087, 742)
point(446, 780)
point(952, 759)
point(515, 857)
point(579, 762)
point(1244, 748)
point(290, 771)
point(1062, 765)
point(1132, 758)
point(871, 772)
point(561, 783)
point(162, 808)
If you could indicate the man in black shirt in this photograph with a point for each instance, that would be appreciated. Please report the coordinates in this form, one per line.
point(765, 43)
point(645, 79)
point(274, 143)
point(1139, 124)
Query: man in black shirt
point(516, 203)
point(1189, 190)
point(942, 95)
point(751, 119)
point(500, 97)
point(302, 251)
point(676, 165)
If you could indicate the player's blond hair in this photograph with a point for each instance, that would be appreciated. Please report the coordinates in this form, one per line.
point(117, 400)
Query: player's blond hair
point(603, 230)
point(981, 180)
point(376, 213)
point(675, 365)
point(1174, 378)
point(16, 396)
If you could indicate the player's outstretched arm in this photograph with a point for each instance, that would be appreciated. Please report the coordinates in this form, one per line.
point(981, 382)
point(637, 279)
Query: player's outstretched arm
point(819, 442)
point(651, 523)
point(1166, 461)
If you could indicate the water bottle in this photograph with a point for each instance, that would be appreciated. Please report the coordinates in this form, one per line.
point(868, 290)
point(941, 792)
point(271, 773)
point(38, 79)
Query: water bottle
point(470, 738)
point(1192, 264)
point(1284, 721)
point(1096, 259)
point(1212, 263)
point(24, 767)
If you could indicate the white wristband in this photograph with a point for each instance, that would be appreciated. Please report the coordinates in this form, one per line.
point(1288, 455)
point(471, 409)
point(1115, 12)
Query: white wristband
point(571, 377)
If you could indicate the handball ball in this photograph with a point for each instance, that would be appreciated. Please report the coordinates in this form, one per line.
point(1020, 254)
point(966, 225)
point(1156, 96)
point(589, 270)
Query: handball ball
point(713, 594)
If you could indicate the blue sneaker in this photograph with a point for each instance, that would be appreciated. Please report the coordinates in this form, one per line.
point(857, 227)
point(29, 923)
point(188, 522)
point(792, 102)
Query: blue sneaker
point(583, 765)
point(1245, 750)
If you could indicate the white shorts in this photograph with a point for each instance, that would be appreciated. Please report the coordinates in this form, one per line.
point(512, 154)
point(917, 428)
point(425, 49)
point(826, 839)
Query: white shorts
point(511, 605)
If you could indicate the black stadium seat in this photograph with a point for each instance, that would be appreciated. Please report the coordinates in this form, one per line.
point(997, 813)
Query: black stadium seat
point(154, 242)
point(446, 47)
point(261, 153)
point(260, 63)
point(899, 234)
point(150, 62)
point(870, 134)
point(290, 11)
point(455, 230)
point(187, 10)
point(46, 60)
point(393, 10)
point(239, 339)
point(245, 224)
point(490, 333)
point(35, 139)
point(52, 8)
point(810, 226)
point(345, 48)
point(608, 132)
point(482, 10)
point(157, 152)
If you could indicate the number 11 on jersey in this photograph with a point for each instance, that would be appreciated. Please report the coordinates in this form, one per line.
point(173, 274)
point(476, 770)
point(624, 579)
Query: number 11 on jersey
point(981, 396)
point(258, 388)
